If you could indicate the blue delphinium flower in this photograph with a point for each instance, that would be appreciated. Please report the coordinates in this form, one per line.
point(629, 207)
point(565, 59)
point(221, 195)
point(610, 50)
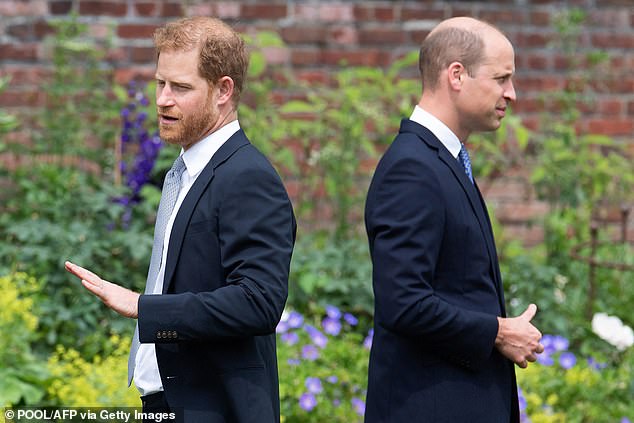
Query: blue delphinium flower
point(310, 352)
point(596, 365)
point(350, 319)
point(282, 326)
point(359, 406)
point(625, 420)
point(560, 343)
point(545, 359)
point(293, 361)
point(331, 326)
point(307, 401)
point(313, 385)
point(332, 379)
point(567, 360)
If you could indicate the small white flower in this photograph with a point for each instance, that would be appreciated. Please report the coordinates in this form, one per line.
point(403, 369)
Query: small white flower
point(612, 330)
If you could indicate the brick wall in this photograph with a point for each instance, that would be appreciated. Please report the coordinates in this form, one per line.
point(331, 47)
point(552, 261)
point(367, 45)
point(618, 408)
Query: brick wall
point(319, 34)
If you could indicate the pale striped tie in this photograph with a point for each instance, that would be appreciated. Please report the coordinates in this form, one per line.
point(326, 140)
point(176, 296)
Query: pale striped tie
point(169, 195)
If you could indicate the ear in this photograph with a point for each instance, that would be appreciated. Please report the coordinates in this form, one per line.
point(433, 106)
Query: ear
point(455, 75)
point(224, 90)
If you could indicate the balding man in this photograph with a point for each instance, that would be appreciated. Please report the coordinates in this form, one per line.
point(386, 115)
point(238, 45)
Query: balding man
point(443, 350)
point(204, 349)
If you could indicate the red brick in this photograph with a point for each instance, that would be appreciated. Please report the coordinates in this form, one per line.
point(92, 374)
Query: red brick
point(301, 35)
point(42, 29)
point(102, 8)
point(136, 31)
point(532, 39)
point(276, 55)
point(498, 17)
point(385, 14)
point(538, 83)
point(534, 61)
point(630, 109)
point(304, 57)
point(422, 12)
point(610, 126)
point(610, 107)
point(380, 36)
point(146, 9)
point(171, 10)
point(263, 11)
point(611, 41)
point(23, 8)
point(517, 212)
point(527, 105)
point(539, 18)
point(347, 35)
point(60, 7)
point(530, 235)
point(314, 76)
point(125, 75)
point(142, 54)
point(228, 10)
point(18, 52)
point(21, 31)
point(24, 75)
point(363, 12)
point(22, 99)
point(608, 17)
point(360, 57)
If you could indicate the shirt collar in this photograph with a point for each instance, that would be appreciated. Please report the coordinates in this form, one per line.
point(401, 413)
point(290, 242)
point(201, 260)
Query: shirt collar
point(439, 129)
point(199, 154)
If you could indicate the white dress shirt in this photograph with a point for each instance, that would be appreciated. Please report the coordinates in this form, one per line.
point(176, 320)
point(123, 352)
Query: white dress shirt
point(439, 129)
point(146, 373)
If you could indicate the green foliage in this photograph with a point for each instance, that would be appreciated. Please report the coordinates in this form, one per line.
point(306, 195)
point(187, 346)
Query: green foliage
point(7, 121)
point(22, 375)
point(79, 117)
point(329, 272)
point(340, 370)
point(102, 381)
point(57, 214)
point(583, 393)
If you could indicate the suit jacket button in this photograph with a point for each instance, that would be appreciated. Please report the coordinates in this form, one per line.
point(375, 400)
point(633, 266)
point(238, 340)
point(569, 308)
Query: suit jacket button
point(175, 335)
point(158, 334)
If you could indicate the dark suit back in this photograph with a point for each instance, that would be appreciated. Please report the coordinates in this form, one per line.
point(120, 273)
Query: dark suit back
point(437, 292)
point(226, 277)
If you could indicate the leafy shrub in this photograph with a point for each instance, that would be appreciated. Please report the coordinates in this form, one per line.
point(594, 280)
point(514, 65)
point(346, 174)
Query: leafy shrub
point(22, 375)
point(77, 382)
point(322, 366)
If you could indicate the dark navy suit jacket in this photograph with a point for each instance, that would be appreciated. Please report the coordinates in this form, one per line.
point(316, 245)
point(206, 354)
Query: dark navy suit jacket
point(437, 292)
point(227, 278)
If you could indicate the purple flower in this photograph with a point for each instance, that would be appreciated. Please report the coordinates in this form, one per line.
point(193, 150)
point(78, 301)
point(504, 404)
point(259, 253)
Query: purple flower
point(567, 360)
point(359, 406)
point(545, 359)
point(560, 343)
point(293, 361)
point(596, 365)
point(316, 336)
point(352, 321)
point(290, 338)
point(295, 319)
point(522, 401)
point(336, 402)
point(313, 384)
point(548, 342)
point(333, 312)
point(331, 326)
point(307, 401)
point(367, 342)
point(310, 352)
point(625, 420)
point(332, 379)
point(282, 327)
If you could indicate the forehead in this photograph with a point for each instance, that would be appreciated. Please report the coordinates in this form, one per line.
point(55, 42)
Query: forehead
point(177, 65)
point(499, 56)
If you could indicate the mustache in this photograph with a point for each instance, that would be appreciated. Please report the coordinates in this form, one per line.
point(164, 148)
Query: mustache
point(166, 111)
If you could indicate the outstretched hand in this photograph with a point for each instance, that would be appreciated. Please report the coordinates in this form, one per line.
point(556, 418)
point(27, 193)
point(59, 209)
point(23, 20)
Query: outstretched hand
point(517, 338)
point(118, 298)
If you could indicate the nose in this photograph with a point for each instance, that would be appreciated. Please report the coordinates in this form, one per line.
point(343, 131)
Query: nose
point(164, 96)
point(509, 92)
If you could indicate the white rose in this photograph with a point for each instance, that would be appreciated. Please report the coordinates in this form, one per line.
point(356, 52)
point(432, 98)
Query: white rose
point(612, 330)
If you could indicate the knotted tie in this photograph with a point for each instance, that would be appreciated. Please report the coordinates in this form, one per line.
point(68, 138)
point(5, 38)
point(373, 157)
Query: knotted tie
point(463, 158)
point(169, 195)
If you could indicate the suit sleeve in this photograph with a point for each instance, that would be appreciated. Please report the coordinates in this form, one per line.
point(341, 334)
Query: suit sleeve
point(256, 237)
point(405, 217)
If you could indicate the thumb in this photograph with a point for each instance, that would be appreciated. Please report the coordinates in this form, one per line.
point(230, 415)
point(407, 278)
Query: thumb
point(530, 312)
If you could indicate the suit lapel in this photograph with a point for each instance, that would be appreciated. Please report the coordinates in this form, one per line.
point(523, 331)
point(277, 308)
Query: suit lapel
point(470, 190)
point(183, 217)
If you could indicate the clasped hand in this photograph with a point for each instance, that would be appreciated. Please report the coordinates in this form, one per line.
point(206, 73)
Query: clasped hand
point(118, 298)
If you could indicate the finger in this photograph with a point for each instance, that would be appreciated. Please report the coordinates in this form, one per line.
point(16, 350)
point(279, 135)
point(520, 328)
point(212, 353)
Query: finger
point(539, 349)
point(532, 358)
point(530, 312)
point(82, 273)
point(523, 364)
point(94, 288)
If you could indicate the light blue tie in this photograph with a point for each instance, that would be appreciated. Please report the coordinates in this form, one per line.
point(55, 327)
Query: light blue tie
point(169, 195)
point(463, 158)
